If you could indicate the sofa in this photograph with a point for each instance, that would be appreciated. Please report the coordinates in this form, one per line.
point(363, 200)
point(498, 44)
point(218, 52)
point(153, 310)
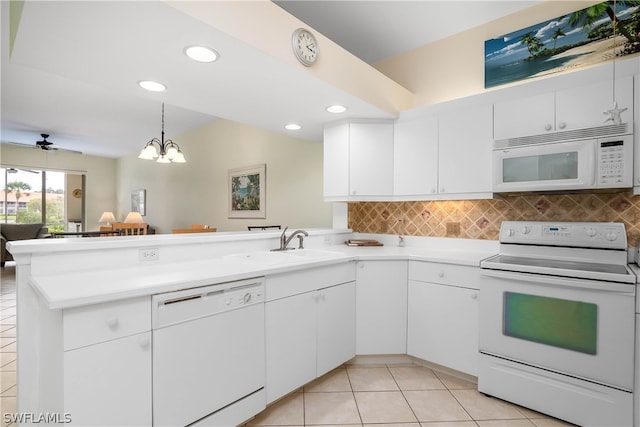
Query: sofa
point(12, 232)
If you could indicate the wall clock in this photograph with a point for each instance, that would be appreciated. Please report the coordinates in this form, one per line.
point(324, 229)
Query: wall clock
point(77, 193)
point(305, 46)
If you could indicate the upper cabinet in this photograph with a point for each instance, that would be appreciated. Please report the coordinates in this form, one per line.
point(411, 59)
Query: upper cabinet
point(464, 152)
point(358, 161)
point(568, 109)
point(445, 155)
point(415, 156)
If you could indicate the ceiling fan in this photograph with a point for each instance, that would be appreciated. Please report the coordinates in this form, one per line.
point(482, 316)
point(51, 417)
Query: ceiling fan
point(15, 170)
point(44, 144)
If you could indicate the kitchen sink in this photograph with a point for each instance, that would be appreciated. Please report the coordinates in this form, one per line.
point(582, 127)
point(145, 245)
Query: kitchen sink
point(266, 258)
point(273, 258)
point(314, 253)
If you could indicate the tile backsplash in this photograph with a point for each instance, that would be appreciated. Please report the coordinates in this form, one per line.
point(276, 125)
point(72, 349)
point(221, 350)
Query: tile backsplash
point(480, 219)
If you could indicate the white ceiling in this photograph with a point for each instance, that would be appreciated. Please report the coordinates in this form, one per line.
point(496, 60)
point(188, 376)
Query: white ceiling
point(74, 68)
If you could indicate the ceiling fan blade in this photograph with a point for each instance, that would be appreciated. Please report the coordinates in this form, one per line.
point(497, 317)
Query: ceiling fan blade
point(15, 170)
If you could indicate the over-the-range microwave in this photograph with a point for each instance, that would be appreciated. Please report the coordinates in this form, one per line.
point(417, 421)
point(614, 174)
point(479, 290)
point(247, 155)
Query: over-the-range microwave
point(594, 158)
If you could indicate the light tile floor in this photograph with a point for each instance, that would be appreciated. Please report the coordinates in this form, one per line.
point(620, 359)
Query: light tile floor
point(397, 395)
point(7, 341)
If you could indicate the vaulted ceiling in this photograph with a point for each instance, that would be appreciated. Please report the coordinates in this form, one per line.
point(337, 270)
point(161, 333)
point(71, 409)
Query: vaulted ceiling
point(73, 67)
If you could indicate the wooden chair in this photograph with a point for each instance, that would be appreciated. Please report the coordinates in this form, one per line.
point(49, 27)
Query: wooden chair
point(263, 227)
point(129, 229)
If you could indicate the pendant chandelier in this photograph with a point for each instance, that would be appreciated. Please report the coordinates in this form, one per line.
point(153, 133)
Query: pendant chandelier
point(167, 151)
point(614, 112)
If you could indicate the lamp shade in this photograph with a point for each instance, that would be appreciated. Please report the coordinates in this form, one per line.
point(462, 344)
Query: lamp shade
point(107, 218)
point(134, 218)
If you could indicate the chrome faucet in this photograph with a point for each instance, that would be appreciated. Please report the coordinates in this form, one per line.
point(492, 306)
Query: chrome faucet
point(284, 240)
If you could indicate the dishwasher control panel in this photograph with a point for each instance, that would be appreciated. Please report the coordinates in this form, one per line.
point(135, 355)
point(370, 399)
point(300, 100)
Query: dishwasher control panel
point(233, 298)
point(182, 306)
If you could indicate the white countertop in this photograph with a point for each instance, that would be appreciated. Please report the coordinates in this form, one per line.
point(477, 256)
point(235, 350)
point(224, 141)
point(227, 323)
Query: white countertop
point(65, 290)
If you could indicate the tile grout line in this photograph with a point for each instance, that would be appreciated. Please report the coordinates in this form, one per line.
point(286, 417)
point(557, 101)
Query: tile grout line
point(354, 396)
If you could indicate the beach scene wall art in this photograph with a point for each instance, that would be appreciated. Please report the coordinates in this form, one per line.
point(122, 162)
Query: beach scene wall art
point(582, 38)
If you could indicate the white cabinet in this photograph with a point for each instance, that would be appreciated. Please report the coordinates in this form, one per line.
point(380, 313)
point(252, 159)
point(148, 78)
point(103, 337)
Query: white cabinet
point(336, 161)
point(464, 151)
point(109, 383)
point(415, 156)
point(309, 325)
point(576, 107)
point(636, 136)
point(358, 161)
point(107, 349)
point(336, 326)
point(443, 315)
point(381, 307)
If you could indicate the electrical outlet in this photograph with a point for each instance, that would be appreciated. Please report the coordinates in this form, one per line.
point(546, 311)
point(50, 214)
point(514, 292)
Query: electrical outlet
point(149, 254)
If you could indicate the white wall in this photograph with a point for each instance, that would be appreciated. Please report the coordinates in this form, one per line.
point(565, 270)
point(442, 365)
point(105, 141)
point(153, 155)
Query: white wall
point(100, 191)
point(195, 192)
point(453, 67)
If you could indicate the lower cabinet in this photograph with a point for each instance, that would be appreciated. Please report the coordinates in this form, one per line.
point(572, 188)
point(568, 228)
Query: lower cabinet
point(107, 363)
point(443, 315)
point(109, 383)
point(381, 307)
point(309, 326)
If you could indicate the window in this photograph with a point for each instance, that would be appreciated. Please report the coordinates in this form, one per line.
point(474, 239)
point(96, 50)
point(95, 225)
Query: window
point(25, 202)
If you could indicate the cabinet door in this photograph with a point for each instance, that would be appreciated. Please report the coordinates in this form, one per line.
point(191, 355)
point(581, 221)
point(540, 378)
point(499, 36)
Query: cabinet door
point(336, 161)
point(381, 307)
point(583, 107)
point(370, 159)
point(532, 115)
point(415, 156)
point(290, 335)
point(443, 325)
point(336, 326)
point(464, 149)
point(636, 137)
point(109, 383)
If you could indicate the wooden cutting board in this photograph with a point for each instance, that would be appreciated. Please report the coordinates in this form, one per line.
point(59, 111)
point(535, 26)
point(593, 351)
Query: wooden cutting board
point(363, 242)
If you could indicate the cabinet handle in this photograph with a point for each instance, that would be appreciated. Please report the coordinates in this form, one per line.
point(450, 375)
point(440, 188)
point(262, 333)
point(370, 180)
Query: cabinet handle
point(547, 127)
point(440, 274)
point(144, 342)
point(433, 191)
point(442, 189)
point(562, 125)
point(474, 296)
point(112, 323)
point(353, 192)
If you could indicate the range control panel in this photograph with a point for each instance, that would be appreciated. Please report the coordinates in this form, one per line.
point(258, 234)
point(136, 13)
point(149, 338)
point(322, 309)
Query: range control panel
point(604, 235)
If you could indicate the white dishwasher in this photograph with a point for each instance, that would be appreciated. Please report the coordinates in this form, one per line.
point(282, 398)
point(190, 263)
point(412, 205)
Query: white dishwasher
point(208, 354)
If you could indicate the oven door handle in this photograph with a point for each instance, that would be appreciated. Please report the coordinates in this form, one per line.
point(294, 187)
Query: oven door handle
point(567, 282)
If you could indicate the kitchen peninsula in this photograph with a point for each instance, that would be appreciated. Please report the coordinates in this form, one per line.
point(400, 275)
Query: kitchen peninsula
point(90, 313)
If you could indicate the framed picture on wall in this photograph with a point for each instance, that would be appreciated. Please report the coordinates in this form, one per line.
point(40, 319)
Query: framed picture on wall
point(139, 201)
point(247, 192)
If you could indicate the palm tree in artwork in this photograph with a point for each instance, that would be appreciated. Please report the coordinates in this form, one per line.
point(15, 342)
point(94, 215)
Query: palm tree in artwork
point(556, 35)
point(533, 43)
point(588, 16)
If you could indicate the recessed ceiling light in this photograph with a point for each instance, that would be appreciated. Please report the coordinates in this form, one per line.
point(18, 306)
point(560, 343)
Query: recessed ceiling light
point(152, 86)
point(201, 53)
point(336, 109)
point(292, 126)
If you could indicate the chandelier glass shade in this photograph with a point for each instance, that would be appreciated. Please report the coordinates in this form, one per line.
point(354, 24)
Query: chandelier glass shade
point(166, 151)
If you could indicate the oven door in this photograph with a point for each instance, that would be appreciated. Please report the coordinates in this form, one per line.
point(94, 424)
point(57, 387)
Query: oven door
point(579, 327)
point(545, 167)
